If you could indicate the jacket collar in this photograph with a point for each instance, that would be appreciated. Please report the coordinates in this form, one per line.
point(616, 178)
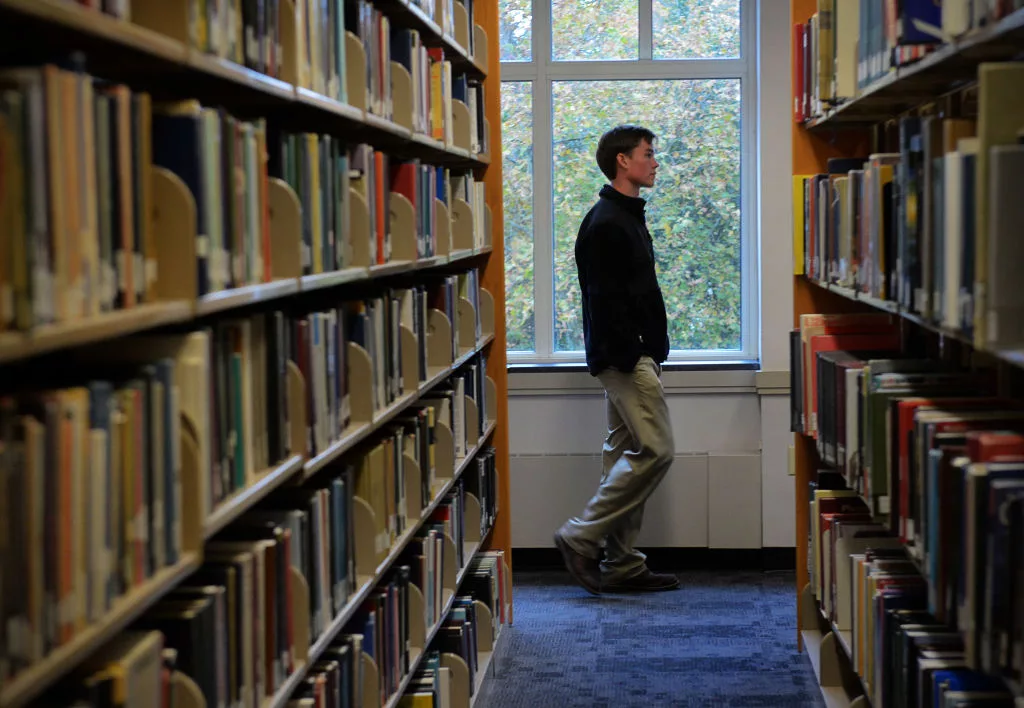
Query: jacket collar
point(634, 205)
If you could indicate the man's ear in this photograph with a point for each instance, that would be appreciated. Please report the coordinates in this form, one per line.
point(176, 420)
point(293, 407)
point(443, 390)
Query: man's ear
point(620, 159)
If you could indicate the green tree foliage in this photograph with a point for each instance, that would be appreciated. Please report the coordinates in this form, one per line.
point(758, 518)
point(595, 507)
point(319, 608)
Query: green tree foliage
point(517, 168)
point(696, 29)
point(693, 212)
point(516, 37)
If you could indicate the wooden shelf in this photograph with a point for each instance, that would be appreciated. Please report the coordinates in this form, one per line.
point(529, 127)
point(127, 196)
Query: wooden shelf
point(944, 70)
point(393, 268)
point(308, 283)
point(48, 338)
point(434, 36)
point(356, 600)
point(244, 499)
point(487, 660)
point(355, 435)
point(248, 295)
point(835, 696)
point(36, 679)
point(175, 57)
point(73, 16)
point(1010, 356)
point(216, 67)
point(328, 105)
point(415, 664)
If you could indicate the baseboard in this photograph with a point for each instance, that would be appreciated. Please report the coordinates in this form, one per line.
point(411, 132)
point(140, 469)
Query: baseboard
point(676, 559)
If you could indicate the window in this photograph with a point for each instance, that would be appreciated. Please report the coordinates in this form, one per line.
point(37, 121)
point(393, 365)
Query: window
point(571, 69)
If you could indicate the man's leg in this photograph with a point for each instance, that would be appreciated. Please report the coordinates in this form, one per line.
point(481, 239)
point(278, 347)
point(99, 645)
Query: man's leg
point(620, 560)
point(639, 399)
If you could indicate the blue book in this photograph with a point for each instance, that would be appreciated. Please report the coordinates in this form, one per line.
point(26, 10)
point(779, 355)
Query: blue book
point(177, 146)
point(920, 22)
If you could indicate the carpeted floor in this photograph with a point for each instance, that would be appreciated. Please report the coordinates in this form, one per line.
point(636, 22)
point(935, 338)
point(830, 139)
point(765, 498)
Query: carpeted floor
point(724, 639)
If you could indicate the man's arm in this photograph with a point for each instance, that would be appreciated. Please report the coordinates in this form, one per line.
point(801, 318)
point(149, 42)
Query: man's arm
point(612, 322)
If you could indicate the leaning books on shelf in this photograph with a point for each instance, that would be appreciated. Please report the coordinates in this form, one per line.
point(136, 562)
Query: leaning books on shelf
point(240, 630)
point(919, 512)
point(93, 504)
point(452, 671)
point(932, 227)
point(848, 46)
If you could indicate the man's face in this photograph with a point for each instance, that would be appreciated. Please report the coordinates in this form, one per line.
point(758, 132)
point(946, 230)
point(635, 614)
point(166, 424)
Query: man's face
point(641, 167)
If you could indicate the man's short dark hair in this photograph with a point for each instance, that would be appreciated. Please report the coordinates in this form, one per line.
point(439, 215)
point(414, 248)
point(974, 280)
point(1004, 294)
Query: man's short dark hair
point(621, 138)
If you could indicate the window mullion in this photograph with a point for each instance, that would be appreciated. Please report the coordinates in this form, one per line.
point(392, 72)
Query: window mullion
point(646, 29)
point(543, 204)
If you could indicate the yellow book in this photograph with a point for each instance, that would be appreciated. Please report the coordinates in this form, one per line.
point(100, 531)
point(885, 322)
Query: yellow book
point(199, 29)
point(416, 700)
point(437, 98)
point(89, 230)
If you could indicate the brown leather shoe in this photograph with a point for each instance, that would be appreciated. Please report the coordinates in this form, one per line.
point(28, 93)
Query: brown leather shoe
point(585, 571)
point(644, 582)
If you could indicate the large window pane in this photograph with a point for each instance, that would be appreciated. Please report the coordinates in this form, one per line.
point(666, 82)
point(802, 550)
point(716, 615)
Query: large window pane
point(693, 212)
point(696, 29)
point(516, 34)
point(594, 30)
point(517, 171)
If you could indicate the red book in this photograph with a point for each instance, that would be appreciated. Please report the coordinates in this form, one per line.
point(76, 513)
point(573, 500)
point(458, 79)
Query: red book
point(884, 341)
point(995, 446)
point(906, 409)
point(798, 72)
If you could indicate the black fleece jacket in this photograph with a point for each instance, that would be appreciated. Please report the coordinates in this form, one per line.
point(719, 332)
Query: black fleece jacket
point(623, 308)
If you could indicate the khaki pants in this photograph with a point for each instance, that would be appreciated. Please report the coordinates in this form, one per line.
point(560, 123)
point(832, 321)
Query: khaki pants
point(637, 453)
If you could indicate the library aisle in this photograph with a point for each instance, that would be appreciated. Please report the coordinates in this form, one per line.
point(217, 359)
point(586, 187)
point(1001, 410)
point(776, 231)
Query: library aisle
point(724, 639)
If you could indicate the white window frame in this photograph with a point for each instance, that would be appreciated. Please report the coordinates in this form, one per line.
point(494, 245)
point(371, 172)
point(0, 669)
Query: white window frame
point(541, 72)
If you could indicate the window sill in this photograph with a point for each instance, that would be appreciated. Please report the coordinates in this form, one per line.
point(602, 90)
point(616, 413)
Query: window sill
point(726, 377)
point(669, 366)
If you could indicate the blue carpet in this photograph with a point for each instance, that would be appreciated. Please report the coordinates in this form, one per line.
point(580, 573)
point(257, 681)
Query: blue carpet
point(724, 639)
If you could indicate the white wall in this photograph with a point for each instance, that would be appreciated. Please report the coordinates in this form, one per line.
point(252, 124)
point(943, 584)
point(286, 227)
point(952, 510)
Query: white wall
point(729, 486)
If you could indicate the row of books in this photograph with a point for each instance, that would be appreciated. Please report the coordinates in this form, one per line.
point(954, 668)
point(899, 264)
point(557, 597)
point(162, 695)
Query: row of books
point(249, 33)
point(250, 36)
point(930, 227)
point(232, 625)
point(92, 469)
point(339, 680)
point(91, 506)
point(873, 595)
point(432, 685)
point(78, 196)
point(928, 459)
point(846, 46)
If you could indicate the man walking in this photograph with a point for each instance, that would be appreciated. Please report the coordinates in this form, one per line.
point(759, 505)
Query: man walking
point(625, 330)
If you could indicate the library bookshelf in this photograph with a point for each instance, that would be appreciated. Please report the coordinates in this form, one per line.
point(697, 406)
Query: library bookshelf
point(319, 428)
point(834, 274)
